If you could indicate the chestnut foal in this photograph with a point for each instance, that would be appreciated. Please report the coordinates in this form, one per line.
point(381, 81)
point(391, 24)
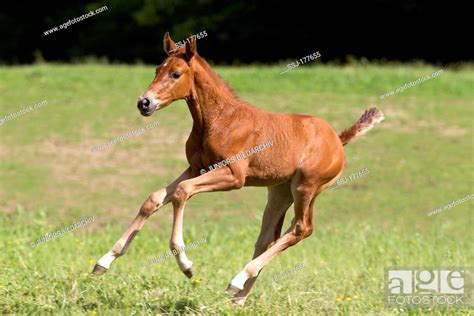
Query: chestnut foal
point(307, 156)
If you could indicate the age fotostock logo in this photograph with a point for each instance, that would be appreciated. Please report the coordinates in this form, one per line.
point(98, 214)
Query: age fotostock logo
point(418, 287)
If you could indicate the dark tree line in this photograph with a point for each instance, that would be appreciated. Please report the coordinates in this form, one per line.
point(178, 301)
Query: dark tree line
point(239, 31)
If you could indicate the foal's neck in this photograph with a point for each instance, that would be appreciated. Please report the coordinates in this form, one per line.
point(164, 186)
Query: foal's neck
point(209, 97)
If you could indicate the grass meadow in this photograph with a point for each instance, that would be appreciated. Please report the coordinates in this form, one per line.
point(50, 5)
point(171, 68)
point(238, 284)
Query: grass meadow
point(420, 158)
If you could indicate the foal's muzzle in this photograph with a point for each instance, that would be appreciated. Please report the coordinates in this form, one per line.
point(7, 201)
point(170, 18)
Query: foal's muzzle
point(145, 107)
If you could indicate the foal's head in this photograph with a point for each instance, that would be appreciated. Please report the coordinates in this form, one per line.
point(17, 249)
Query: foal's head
point(173, 78)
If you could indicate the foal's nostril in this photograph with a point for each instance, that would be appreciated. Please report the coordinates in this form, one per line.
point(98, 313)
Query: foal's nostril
point(143, 103)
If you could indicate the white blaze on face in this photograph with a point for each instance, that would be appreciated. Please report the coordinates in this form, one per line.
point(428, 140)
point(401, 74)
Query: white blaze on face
point(149, 95)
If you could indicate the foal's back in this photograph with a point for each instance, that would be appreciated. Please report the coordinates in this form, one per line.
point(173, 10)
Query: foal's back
point(300, 143)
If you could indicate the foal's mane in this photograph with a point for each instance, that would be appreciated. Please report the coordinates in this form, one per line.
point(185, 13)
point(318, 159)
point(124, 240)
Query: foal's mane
point(217, 80)
point(212, 78)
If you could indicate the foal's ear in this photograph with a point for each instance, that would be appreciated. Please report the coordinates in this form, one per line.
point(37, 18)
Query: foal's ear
point(168, 43)
point(190, 48)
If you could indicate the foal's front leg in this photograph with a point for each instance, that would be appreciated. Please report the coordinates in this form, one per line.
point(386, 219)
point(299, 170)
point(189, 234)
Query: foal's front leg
point(151, 205)
point(218, 180)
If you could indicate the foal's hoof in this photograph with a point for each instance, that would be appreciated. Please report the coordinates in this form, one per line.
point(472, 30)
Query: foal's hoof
point(189, 273)
point(240, 301)
point(232, 290)
point(99, 270)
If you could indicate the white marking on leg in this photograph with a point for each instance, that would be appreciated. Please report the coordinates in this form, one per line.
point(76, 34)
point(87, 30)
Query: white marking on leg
point(183, 261)
point(239, 280)
point(107, 260)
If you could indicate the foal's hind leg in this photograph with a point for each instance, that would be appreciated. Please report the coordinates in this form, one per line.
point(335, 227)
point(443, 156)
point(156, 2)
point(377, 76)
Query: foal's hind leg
point(156, 200)
point(304, 192)
point(278, 202)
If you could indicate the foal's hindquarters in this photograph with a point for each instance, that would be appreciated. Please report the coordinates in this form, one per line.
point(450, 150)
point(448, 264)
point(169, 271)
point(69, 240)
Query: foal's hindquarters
point(314, 159)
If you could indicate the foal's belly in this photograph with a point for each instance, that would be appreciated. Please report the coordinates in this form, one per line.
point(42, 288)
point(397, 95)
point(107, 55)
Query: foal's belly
point(259, 182)
point(269, 172)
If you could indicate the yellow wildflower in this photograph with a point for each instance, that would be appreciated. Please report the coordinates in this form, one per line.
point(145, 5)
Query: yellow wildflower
point(198, 281)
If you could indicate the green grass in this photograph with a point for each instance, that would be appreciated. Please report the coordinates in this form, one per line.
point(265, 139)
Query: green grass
point(419, 158)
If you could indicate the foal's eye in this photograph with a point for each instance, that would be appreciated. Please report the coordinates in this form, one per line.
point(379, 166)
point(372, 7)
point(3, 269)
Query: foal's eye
point(175, 75)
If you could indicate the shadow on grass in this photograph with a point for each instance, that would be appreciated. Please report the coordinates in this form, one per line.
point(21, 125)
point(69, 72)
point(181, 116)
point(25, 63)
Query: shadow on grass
point(181, 306)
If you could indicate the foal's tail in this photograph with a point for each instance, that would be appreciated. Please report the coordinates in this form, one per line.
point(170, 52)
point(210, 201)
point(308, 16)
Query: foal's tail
point(366, 122)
